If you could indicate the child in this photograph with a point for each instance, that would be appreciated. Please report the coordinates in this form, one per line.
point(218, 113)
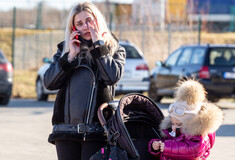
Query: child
point(196, 121)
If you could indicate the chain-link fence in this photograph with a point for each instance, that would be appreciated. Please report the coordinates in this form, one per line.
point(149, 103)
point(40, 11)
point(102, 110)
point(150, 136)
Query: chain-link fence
point(31, 49)
point(156, 37)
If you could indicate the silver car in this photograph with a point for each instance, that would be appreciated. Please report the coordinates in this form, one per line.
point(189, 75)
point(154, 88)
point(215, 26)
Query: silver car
point(135, 79)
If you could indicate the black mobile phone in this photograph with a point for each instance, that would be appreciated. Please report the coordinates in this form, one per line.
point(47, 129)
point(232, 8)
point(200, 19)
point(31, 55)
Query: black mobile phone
point(177, 133)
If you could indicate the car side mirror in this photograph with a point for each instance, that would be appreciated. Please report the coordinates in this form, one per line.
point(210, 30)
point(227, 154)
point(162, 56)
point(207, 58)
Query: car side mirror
point(46, 60)
point(158, 63)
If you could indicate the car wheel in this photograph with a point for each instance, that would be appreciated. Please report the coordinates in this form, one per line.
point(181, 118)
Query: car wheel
point(153, 92)
point(4, 100)
point(39, 89)
point(213, 99)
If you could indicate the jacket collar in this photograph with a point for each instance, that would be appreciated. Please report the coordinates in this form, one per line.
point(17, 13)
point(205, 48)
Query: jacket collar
point(61, 45)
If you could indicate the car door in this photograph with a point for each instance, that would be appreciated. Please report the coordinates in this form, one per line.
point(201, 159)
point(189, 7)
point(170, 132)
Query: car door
point(165, 78)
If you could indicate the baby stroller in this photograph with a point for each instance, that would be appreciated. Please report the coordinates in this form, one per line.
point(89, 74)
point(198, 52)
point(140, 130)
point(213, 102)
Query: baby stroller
point(135, 122)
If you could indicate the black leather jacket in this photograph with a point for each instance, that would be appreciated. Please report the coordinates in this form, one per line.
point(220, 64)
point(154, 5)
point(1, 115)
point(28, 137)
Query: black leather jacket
point(83, 88)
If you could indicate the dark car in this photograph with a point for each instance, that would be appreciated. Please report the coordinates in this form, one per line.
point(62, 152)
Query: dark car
point(6, 79)
point(212, 65)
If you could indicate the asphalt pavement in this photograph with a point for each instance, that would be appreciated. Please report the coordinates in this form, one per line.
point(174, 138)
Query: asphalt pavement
point(26, 123)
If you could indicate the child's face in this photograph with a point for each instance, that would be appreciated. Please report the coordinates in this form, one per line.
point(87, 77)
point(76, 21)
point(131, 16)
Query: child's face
point(175, 124)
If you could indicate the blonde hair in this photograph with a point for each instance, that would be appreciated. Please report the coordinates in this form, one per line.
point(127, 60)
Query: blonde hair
point(91, 8)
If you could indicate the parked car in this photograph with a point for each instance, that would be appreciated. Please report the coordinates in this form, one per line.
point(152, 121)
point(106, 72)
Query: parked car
point(135, 79)
point(212, 65)
point(136, 76)
point(6, 79)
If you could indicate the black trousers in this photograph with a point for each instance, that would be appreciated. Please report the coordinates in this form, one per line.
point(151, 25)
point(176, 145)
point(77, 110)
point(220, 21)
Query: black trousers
point(73, 150)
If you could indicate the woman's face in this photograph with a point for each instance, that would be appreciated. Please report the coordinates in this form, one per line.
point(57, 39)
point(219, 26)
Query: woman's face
point(175, 124)
point(81, 23)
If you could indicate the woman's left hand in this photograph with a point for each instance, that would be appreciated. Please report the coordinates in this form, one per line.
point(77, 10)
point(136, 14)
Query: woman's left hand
point(94, 31)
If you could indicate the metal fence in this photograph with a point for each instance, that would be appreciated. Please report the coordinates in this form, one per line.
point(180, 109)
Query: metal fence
point(155, 44)
point(31, 49)
point(155, 41)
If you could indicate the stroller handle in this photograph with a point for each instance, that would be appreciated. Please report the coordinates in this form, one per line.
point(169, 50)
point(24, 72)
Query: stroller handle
point(100, 113)
point(101, 117)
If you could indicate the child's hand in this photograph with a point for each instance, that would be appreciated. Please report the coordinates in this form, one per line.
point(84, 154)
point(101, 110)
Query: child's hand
point(156, 145)
point(162, 146)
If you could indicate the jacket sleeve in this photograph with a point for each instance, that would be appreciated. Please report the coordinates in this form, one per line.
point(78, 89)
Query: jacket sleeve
point(58, 72)
point(184, 148)
point(111, 68)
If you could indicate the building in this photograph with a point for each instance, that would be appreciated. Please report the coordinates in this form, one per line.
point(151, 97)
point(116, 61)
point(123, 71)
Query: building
point(216, 15)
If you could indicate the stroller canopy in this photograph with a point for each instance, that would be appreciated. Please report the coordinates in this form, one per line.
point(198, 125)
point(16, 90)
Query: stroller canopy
point(135, 122)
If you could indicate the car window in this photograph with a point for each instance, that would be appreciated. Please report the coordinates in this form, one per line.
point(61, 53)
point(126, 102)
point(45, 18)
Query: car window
point(131, 52)
point(1, 56)
point(171, 61)
point(198, 56)
point(185, 57)
point(222, 56)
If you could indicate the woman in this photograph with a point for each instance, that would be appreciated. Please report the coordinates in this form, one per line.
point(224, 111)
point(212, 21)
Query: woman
point(85, 69)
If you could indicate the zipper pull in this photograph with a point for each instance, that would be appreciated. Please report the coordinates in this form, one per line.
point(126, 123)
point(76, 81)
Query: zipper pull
point(84, 137)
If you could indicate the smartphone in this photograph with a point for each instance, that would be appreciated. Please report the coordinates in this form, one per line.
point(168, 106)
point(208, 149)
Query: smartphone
point(76, 37)
point(177, 132)
point(84, 41)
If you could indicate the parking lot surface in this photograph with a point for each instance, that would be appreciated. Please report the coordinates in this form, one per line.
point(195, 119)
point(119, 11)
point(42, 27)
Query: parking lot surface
point(26, 123)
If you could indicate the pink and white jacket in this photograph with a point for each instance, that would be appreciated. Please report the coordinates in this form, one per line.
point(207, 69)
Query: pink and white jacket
point(196, 139)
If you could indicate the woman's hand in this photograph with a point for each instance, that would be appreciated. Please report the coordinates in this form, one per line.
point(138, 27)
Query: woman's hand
point(74, 49)
point(94, 30)
point(156, 145)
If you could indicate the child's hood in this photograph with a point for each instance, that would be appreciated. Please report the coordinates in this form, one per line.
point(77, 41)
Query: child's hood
point(208, 120)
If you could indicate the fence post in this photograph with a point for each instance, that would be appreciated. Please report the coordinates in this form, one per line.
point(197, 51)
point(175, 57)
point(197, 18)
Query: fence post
point(143, 37)
point(232, 22)
point(39, 16)
point(169, 38)
point(13, 37)
point(199, 29)
point(111, 21)
point(51, 43)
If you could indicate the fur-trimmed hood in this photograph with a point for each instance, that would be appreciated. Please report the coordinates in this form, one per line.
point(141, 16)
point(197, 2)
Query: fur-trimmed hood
point(208, 120)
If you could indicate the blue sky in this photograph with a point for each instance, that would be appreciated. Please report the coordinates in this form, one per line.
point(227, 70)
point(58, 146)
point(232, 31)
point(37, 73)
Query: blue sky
point(60, 4)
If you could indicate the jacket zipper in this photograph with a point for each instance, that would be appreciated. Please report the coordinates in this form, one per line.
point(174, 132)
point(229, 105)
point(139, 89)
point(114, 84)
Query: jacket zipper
point(90, 100)
point(89, 108)
point(69, 102)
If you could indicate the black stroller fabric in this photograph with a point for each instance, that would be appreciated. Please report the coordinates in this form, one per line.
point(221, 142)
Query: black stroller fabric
point(110, 152)
point(134, 123)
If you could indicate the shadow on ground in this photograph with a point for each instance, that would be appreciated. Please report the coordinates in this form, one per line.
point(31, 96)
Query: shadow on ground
point(226, 131)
